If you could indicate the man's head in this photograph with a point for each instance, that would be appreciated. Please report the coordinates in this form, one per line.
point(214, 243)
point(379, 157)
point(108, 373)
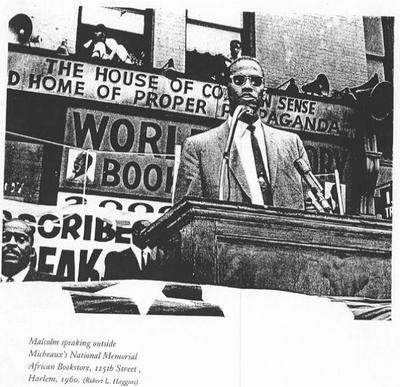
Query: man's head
point(246, 84)
point(100, 32)
point(80, 163)
point(235, 47)
point(17, 250)
point(137, 228)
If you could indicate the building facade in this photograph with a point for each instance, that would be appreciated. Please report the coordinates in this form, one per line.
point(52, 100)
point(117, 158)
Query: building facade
point(130, 113)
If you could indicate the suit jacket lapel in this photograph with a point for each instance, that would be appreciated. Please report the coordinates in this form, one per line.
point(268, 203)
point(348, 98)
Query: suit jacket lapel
point(31, 274)
point(235, 164)
point(272, 153)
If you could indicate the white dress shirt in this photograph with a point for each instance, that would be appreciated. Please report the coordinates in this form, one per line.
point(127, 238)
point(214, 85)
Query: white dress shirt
point(19, 277)
point(243, 143)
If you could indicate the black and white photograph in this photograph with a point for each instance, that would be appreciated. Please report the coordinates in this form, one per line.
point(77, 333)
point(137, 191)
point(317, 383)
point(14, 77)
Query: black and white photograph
point(199, 194)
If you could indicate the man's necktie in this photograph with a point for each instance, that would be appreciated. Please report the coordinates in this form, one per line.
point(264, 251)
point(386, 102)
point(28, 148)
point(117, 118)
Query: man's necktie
point(143, 260)
point(260, 168)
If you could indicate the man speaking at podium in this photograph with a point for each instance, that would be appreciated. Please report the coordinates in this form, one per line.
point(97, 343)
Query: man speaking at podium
point(261, 169)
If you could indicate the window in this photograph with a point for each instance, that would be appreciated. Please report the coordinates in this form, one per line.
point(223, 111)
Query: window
point(208, 41)
point(379, 46)
point(378, 34)
point(114, 34)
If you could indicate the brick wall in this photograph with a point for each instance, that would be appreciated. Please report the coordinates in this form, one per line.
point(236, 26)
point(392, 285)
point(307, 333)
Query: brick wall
point(304, 46)
point(169, 38)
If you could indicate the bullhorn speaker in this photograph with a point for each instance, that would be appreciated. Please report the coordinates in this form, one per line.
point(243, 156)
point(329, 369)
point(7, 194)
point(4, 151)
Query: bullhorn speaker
point(20, 28)
point(374, 97)
point(319, 85)
point(292, 88)
point(367, 85)
point(169, 70)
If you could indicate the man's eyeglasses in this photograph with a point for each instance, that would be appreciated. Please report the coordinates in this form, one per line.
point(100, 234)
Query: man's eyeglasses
point(240, 80)
point(19, 238)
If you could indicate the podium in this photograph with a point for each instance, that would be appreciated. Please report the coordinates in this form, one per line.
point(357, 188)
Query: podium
point(248, 246)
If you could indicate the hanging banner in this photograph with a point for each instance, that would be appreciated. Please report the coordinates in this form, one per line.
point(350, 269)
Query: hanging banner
point(301, 114)
point(74, 241)
point(89, 81)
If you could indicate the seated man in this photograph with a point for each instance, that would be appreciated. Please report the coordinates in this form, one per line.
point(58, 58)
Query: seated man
point(106, 48)
point(18, 254)
point(261, 160)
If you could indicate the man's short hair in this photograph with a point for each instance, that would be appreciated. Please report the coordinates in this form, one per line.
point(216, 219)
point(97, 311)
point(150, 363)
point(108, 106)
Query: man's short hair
point(101, 28)
point(245, 57)
point(30, 232)
point(235, 43)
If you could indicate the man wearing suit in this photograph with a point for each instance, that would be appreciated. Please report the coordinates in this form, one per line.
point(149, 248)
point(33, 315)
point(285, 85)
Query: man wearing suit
point(261, 159)
point(125, 264)
point(18, 254)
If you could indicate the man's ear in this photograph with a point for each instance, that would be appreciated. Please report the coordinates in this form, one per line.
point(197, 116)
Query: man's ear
point(32, 257)
point(264, 95)
point(225, 95)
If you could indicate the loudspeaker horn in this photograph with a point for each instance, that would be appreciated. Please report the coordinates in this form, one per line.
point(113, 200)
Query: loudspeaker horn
point(377, 101)
point(319, 85)
point(169, 70)
point(367, 85)
point(292, 88)
point(20, 28)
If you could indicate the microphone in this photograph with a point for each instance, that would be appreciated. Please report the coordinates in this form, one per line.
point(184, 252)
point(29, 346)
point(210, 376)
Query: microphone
point(239, 111)
point(305, 171)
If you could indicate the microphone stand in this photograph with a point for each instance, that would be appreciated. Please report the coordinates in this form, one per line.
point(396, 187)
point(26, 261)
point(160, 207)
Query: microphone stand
point(305, 171)
point(224, 170)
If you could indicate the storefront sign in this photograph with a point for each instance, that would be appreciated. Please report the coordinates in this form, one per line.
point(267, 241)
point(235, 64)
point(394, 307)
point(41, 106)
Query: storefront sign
point(88, 81)
point(303, 115)
point(126, 154)
point(106, 131)
point(69, 78)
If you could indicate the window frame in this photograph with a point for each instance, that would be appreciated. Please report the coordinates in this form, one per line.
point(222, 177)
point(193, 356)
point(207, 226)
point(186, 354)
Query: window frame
point(148, 33)
point(247, 32)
